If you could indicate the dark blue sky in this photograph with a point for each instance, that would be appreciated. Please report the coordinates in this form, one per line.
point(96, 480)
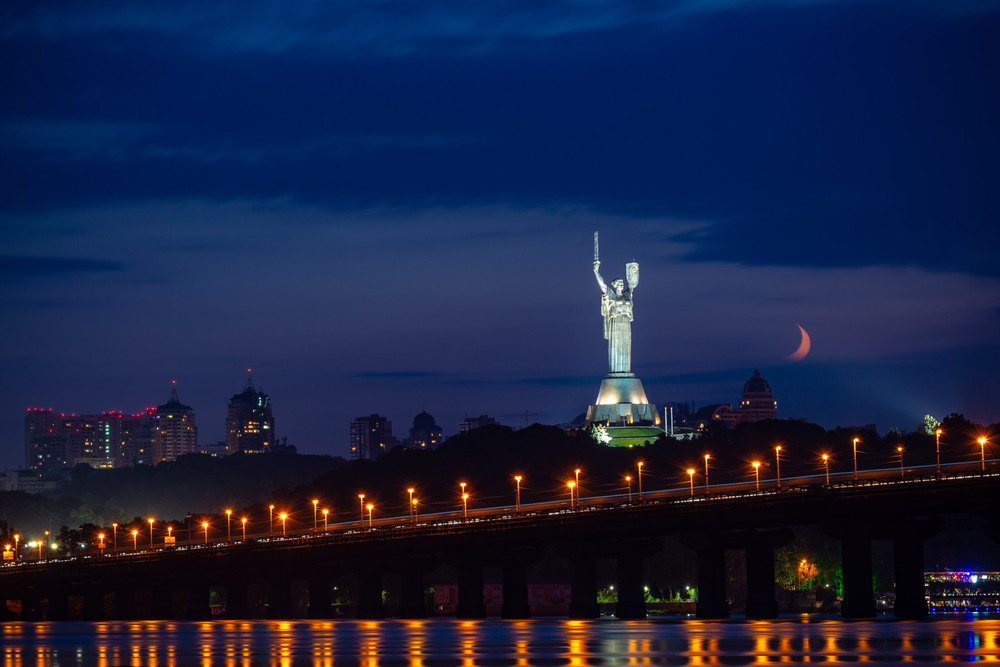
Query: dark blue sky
point(389, 206)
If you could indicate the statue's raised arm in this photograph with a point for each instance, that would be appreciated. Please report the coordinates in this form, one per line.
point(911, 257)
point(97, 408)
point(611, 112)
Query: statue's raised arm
point(597, 274)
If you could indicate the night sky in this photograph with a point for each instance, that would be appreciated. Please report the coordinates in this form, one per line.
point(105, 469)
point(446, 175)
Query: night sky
point(390, 206)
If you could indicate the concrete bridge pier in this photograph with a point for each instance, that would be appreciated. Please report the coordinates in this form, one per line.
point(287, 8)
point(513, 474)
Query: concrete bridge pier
point(583, 587)
point(320, 595)
point(94, 603)
point(908, 561)
point(514, 569)
point(629, 557)
point(189, 598)
point(856, 565)
point(712, 602)
point(369, 593)
point(237, 602)
point(411, 589)
point(470, 590)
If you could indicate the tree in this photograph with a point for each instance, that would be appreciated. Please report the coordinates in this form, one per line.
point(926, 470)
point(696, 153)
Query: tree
point(928, 425)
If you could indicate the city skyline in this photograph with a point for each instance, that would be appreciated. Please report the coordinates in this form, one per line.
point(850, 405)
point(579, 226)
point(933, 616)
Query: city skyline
point(391, 212)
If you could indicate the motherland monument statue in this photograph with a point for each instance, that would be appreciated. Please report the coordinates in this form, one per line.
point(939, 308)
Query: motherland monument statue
point(621, 399)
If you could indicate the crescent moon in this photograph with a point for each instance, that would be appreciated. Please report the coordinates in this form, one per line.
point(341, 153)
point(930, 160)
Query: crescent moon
point(800, 354)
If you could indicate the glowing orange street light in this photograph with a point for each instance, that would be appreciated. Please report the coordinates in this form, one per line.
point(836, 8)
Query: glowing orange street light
point(628, 482)
point(856, 441)
point(571, 485)
point(756, 474)
point(270, 520)
point(410, 491)
point(639, 477)
point(101, 538)
point(707, 456)
point(826, 466)
point(135, 540)
point(777, 464)
point(517, 493)
point(326, 514)
point(370, 508)
point(114, 537)
point(361, 499)
point(284, 519)
point(244, 522)
point(462, 484)
point(150, 533)
point(229, 530)
point(17, 550)
point(982, 451)
point(937, 449)
point(577, 486)
point(465, 506)
point(315, 520)
point(900, 450)
point(39, 550)
point(204, 525)
point(414, 503)
point(691, 475)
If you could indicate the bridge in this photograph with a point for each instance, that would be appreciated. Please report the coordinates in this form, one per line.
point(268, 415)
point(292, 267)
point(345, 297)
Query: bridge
point(292, 576)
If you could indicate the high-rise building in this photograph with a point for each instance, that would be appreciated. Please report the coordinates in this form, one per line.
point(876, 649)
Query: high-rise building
point(174, 430)
point(472, 423)
point(371, 437)
point(44, 440)
point(249, 424)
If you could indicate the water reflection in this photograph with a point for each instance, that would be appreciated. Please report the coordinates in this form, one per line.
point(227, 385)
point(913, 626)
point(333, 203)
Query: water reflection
point(453, 643)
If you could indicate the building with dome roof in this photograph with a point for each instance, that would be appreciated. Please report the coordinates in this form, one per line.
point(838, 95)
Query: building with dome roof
point(756, 404)
point(425, 433)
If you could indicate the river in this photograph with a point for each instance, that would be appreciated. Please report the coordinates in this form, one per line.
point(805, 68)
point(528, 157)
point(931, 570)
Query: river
point(546, 641)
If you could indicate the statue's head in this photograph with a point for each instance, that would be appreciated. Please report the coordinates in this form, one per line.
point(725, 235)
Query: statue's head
point(619, 286)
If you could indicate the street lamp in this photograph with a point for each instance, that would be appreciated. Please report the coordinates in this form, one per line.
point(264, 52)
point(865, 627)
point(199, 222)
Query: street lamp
point(465, 506)
point(707, 456)
point(640, 481)
point(361, 500)
point(244, 522)
point(982, 451)
point(204, 525)
point(135, 540)
point(577, 471)
point(691, 475)
point(414, 504)
point(937, 449)
point(101, 538)
point(856, 441)
point(270, 520)
point(777, 464)
point(756, 475)
point(628, 482)
point(900, 450)
point(326, 515)
point(370, 508)
point(826, 466)
point(571, 485)
point(150, 533)
point(229, 530)
point(17, 550)
point(410, 491)
point(517, 493)
point(114, 536)
point(284, 519)
point(315, 520)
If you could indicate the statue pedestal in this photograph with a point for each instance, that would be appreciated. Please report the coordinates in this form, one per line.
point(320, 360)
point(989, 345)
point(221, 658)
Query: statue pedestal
point(622, 402)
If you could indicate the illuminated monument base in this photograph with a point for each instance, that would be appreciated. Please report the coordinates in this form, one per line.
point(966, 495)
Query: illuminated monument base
point(622, 402)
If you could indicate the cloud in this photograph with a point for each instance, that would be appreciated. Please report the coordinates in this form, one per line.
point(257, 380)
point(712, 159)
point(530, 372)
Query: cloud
point(15, 266)
point(351, 28)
